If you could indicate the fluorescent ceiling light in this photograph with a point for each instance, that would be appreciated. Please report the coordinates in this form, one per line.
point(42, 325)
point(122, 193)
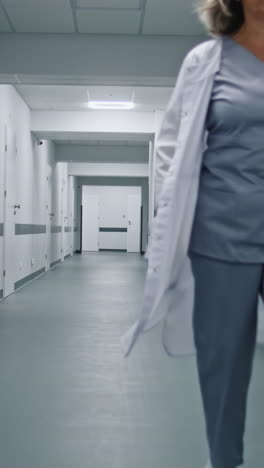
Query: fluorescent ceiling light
point(111, 105)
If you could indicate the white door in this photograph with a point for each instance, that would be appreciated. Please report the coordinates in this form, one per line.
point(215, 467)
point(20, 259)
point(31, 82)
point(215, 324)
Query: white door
point(71, 211)
point(63, 220)
point(90, 224)
point(70, 214)
point(2, 201)
point(133, 222)
point(10, 210)
point(48, 221)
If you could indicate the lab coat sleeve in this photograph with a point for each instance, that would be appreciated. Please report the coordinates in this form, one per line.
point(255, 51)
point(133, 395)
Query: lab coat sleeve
point(166, 142)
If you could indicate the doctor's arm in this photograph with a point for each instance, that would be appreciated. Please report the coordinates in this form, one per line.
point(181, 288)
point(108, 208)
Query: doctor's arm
point(166, 142)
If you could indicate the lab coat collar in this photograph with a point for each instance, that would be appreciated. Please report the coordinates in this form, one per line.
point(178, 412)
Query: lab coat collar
point(204, 60)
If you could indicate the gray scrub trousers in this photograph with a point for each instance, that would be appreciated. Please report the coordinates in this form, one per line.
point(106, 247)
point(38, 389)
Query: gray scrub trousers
point(225, 323)
point(227, 250)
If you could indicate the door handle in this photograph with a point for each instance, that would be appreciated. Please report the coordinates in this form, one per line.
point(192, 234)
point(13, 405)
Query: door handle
point(16, 206)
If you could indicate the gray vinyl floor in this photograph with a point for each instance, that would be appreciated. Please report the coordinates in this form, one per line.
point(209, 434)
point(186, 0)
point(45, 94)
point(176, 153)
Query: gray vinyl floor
point(68, 399)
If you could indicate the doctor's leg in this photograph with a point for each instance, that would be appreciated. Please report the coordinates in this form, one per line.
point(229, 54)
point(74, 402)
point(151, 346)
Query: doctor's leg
point(225, 323)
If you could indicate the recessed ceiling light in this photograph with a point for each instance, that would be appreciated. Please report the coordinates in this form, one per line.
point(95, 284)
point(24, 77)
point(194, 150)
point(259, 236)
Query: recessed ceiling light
point(111, 105)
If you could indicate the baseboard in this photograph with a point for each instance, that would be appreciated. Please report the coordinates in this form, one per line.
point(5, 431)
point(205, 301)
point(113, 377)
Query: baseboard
point(109, 250)
point(28, 278)
point(53, 264)
point(112, 250)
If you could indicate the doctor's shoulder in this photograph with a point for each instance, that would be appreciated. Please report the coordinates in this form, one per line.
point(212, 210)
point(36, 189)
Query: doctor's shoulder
point(201, 53)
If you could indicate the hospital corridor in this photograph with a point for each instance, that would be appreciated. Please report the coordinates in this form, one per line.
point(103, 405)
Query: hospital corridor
point(102, 114)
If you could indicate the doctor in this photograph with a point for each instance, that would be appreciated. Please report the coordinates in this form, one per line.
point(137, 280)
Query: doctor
point(206, 252)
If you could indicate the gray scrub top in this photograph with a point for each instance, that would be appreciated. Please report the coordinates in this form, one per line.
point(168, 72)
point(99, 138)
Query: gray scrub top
point(229, 217)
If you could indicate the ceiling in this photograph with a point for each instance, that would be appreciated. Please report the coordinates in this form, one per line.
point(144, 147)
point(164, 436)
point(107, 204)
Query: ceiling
point(134, 17)
point(67, 98)
point(70, 19)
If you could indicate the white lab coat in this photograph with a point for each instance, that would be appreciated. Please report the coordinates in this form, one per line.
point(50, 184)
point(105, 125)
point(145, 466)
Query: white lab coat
point(169, 284)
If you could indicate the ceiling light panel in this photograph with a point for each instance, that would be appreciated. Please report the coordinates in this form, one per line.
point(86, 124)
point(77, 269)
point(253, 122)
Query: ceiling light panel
point(95, 105)
point(172, 18)
point(107, 4)
point(108, 22)
point(40, 16)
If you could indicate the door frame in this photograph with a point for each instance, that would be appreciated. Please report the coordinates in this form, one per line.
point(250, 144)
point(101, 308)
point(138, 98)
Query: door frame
point(4, 155)
point(96, 197)
point(139, 213)
point(8, 144)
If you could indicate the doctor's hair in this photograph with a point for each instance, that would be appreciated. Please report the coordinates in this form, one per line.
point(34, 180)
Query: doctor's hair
point(220, 17)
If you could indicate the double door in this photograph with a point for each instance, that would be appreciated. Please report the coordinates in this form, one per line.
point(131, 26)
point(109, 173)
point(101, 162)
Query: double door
point(90, 223)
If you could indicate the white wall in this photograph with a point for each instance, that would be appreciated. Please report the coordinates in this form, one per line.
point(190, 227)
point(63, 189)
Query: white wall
point(36, 173)
point(113, 153)
point(96, 122)
point(110, 169)
point(29, 182)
